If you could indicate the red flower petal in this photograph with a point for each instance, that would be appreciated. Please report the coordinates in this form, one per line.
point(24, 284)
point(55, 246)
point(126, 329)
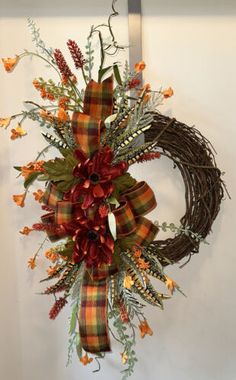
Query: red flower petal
point(88, 200)
point(93, 250)
point(98, 191)
point(86, 184)
point(80, 155)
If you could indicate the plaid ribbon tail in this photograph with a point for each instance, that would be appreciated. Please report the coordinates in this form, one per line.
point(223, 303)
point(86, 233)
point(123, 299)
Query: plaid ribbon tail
point(93, 319)
point(98, 105)
point(98, 99)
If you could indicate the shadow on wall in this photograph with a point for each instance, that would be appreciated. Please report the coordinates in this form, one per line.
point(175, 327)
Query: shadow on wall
point(16, 8)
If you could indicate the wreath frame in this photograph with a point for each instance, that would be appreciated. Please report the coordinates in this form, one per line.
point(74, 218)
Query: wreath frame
point(194, 157)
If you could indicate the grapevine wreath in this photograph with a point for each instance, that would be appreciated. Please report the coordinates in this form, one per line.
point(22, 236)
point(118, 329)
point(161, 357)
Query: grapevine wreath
point(104, 248)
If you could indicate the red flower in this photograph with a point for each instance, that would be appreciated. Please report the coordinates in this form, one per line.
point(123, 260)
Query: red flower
point(133, 83)
point(96, 175)
point(93, 241)
point(62, 64)
point(76, 54)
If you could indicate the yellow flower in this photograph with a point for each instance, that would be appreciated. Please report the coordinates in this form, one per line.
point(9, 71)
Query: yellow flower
point(10, 63)
point(168, 93)
point(25, 231)
point(18, 132)
point(38, 195)
point(31, 262)
point(124, 357)
point(139, 66)
point(128, 282)
point(145, 329)
point(171, 285)
point(5, 122)
point(86, 360)
point(19, 199)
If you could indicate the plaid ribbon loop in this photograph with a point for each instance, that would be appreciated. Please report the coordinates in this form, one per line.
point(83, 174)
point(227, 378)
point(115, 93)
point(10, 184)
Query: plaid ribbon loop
point(98, 105)
point(137, 201)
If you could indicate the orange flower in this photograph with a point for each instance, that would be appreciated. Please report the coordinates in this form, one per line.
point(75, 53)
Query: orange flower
point(86, 360)
point(31, 262)
point(38, 195)
point(10, 63)
point(147, 87)
point(62, 114)
point(63, 102)
point(19, 199)
point(47, 115)
point(31, 167)
point(124, 357)
point(5, 122)
point(171, 285)
point(137, 252)
point(50, 96)
point(142, 264)
point(25, 231)
point(128, 282)
point(43, 93)
point(145, 329)
point(18, 132)
point(51, 255)
point(146, 98)
point(51, 270)
point(168, 93)
point(36, 84)
point(139, 66)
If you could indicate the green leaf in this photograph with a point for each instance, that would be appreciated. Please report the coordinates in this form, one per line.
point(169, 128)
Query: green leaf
point(18, 168)
point(78, 346)
point(124, 182)
point(57, 170)
point(112, 225)
point(67, 185)
point(68, 250)
point(31, 178)
point(60, 170)
point(73, 319)
point(43, 177)
point(102, 72)
point(117, 74)
point(65, 152)
point(113, 201)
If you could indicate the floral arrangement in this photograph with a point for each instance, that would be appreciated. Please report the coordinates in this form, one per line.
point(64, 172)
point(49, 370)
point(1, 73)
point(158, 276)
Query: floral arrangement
point(93, 211)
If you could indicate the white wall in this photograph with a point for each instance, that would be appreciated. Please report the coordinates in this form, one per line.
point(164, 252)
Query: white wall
point(192, 47)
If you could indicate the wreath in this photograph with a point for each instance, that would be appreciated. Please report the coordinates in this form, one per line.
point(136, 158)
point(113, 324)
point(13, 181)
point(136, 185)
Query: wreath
point(94, 213)
point(193, 155)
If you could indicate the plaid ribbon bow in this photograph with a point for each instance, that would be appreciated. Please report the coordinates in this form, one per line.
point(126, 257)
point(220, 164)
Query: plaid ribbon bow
point(130, 220)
